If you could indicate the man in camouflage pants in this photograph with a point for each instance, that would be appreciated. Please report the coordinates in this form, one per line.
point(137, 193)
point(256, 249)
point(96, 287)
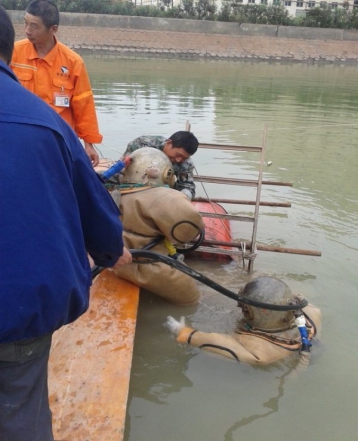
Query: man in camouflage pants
point(179, 148)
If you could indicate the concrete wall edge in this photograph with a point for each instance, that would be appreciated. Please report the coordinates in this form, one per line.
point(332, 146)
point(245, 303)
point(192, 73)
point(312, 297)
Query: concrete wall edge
point(197, 26)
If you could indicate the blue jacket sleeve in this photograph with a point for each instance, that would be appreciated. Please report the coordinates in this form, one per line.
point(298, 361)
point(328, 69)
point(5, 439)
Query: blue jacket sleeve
point(102, 228)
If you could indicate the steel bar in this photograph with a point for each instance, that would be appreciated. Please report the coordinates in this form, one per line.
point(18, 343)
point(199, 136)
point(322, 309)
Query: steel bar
point(238, 148)
point(262, 247)
point(223, 251)
point(228, 216)
point(231, 181)
point(258, 196)
point(243, 202)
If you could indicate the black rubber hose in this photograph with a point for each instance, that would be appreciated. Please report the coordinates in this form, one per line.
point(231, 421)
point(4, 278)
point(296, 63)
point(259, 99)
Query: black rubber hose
point(95, 270)
point(156, 257)
point(195, 245)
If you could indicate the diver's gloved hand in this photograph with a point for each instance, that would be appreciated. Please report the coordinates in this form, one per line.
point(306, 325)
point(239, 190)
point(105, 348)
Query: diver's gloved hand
point(173, 325)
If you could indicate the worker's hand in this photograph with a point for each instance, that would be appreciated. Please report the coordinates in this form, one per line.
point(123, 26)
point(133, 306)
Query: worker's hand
point(91, 153)
point(125, 258)
point(173, 325)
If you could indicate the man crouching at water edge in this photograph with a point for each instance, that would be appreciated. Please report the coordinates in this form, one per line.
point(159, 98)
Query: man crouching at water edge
point(155, 217)
point(48, 223)
point(179, 148)
point(262, 336)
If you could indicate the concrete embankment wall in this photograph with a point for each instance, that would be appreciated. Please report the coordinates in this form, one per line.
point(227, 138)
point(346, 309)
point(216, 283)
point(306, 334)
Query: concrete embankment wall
point(160, 37)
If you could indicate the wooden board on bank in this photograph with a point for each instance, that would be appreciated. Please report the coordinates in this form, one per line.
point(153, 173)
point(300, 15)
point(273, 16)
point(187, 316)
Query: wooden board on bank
point(90, 364)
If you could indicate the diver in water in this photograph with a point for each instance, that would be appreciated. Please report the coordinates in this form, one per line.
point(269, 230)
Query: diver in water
point(262, 336)
point(156, 217)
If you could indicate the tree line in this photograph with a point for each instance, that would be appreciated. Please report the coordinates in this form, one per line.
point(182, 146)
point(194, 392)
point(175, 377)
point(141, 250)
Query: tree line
point(322, 16)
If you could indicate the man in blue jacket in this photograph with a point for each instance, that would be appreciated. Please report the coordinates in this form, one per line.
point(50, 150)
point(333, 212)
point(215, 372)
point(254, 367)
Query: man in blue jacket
point(54, 211)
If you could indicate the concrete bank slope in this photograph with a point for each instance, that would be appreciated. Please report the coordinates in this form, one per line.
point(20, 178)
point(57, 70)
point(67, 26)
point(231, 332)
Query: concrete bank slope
point(173, 38)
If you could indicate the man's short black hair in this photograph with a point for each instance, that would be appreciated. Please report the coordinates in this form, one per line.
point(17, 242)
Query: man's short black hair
point(7, 36)
point(46, 10)
point(185, 140)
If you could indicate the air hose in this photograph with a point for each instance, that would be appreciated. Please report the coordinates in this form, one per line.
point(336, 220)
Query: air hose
point(95, 270)
point(115, 168)
point(151, 256)
point(196, 244)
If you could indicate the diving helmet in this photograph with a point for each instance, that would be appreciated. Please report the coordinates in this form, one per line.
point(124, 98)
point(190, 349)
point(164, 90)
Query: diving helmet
point(149, 166)
point(267, 290)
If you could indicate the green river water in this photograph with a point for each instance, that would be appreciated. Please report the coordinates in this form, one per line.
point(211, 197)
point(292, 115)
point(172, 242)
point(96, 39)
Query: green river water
point(179, 393)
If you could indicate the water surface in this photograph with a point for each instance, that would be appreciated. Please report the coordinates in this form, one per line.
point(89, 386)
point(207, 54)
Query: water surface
point(179, 393)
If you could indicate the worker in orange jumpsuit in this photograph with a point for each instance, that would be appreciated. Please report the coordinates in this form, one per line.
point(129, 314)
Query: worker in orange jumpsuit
point(56, 74)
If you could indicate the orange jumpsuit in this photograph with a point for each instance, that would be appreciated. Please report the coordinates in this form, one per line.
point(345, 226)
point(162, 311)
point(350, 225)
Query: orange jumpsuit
point(61, 80)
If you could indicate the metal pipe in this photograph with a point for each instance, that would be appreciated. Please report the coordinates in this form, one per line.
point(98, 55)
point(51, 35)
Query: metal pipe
point(260, 247)
point(243, 202)
point(230, 181)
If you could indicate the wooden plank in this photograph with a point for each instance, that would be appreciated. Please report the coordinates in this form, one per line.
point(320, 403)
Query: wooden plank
point(90, 364)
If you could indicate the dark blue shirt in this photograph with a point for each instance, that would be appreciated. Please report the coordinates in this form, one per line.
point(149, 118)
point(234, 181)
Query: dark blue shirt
point(53, 210)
